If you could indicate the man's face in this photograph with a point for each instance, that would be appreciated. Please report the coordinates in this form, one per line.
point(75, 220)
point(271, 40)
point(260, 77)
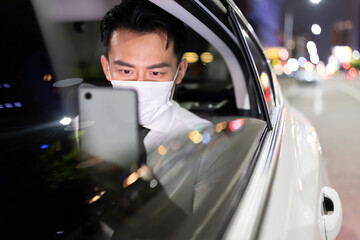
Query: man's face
point(137, 56)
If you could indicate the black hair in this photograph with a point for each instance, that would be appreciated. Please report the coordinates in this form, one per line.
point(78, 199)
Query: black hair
point(143, 16)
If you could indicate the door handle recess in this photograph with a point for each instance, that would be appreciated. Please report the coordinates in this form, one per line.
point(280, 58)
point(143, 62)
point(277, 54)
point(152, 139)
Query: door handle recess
point(330, 213)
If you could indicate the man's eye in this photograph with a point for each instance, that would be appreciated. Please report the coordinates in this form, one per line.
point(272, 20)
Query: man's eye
point(125, 71)
point(155, 73)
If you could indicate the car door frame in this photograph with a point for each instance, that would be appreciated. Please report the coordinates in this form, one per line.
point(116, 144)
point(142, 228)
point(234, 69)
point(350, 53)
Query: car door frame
point(247, 219)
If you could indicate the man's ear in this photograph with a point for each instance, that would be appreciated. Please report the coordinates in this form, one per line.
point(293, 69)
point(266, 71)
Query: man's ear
point(105, 67)
point(182, 71)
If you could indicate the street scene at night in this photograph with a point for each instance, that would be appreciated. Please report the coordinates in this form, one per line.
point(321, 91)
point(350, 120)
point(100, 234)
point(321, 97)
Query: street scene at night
point(180, 119)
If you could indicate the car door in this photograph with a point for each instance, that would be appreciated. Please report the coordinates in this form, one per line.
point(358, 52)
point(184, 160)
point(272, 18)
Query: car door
point(306, 184)
point(248, 217)
point(246, 209)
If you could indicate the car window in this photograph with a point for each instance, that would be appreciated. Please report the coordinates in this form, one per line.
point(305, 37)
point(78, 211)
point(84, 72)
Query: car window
point(264, 75)
point(76, 199)
point(207, 89)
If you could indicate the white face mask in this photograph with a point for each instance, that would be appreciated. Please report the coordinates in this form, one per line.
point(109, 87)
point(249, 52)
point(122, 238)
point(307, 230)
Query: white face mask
point(153, 97)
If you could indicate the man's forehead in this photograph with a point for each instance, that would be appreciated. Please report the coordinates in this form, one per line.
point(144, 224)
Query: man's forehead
point(125, 34)
point(141, 49)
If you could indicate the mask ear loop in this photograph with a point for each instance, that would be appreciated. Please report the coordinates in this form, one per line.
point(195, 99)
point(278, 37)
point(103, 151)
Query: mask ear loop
point(109, 72)
point(173, 87)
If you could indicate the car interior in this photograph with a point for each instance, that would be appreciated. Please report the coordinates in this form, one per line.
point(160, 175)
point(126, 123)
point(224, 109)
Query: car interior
point(207, 88)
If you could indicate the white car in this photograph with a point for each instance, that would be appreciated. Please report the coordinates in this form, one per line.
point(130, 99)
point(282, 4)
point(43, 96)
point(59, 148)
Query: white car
point(279, 189)
point(258, 173)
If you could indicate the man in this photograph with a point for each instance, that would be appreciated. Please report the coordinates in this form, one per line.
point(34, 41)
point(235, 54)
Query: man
point(143, 50)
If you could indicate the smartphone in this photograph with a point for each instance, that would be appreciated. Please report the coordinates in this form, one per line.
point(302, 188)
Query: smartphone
point(109, 127)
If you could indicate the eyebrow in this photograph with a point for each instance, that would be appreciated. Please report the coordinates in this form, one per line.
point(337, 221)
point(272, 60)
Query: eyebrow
point(153, 66)
point(125, 64)
point(158, 65)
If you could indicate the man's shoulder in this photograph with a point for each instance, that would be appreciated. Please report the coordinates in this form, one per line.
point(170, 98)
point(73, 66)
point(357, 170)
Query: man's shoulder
point(176, 122)
point(188, 119)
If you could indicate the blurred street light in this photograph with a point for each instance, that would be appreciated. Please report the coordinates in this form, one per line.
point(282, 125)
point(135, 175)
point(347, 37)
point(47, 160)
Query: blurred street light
point(315, 1)
point(65, 121)
point(315, 29)
point(356, 55)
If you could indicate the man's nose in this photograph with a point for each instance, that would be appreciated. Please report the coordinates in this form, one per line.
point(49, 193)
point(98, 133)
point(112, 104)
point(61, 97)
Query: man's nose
point(141, 76)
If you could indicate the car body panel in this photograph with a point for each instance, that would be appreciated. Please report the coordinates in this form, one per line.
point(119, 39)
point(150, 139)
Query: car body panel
point(292, 209)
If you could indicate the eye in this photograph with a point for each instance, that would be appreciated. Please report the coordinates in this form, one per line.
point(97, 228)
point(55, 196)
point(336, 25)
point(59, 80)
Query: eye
point(125, 71)
point(155, 73)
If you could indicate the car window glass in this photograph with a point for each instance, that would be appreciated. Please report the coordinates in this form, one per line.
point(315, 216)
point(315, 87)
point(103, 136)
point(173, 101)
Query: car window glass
point(41, 135)
point(207, 88)
point(262, 70)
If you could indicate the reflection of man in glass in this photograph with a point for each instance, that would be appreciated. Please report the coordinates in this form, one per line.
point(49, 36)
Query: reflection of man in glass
point(143, 51)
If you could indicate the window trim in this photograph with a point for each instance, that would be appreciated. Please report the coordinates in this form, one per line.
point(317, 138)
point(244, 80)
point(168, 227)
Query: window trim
point(240, 32)
point(248, 27)
point(224, 31)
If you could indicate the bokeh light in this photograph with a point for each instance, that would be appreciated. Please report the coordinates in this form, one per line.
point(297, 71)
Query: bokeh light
point(333, 65)
point(293, 64)
point(191, 57)
point(65, 121)
point(236, 124)
point(47, 77)
point(206, 138)
point(153, 183)
point(286, 70)
point(162, 150)
point(343, 53)
point(314, 58)
point(283, 54)
point(278, 69)
point(316, 29)
point(133, 177)
point(346, 65)
point(44, 146)
point(302, 61)
point(276, 53)
point(290, 44)
point(264, 78)
point(356, 55)
point(351, 74)
point(311, 46)
point(195, 136)
point(220, 126)
point(321, 69)
point(206, 57)
point(309, 67)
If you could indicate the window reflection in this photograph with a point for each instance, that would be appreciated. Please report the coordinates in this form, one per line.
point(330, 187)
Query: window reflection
point(262, 69)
